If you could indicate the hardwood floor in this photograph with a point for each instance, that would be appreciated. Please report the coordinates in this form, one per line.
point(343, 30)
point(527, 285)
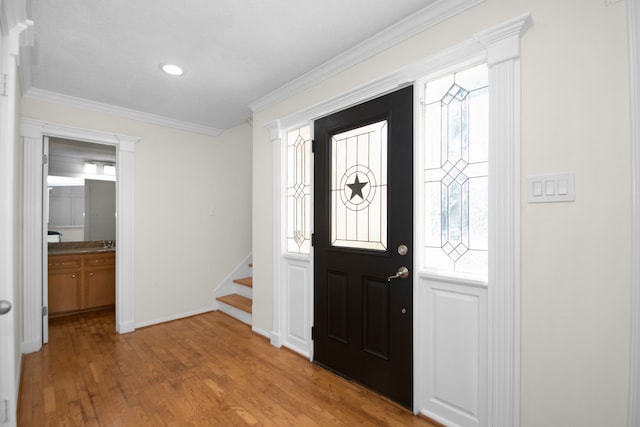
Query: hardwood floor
point(208, 370)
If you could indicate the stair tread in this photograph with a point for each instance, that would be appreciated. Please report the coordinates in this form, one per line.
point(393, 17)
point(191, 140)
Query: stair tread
point(246, 281)
point(237, 301)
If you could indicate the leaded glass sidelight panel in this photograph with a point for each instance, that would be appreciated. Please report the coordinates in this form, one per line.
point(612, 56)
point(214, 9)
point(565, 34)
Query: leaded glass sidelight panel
point(298, 194)
point(456, 172)
point(359, 187)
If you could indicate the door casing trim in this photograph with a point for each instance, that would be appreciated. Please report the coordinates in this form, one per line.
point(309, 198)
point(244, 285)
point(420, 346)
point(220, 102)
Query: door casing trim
point(633, 12)
point(33, 132)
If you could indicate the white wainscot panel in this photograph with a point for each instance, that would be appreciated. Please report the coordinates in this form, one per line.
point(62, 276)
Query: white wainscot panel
point(298, 326)
point(456, 352)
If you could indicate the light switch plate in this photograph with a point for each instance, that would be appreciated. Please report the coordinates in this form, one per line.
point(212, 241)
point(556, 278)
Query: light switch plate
point(551, 188)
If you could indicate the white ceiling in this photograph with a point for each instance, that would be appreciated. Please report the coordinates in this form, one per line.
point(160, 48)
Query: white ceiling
point(234, 52)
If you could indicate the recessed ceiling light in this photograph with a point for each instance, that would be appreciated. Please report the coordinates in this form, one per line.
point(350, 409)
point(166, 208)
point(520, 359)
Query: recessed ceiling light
point(174, 70)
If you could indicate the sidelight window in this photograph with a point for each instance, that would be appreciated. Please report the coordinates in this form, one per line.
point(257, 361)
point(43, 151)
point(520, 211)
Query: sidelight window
point(298, 191)
point(456, 174)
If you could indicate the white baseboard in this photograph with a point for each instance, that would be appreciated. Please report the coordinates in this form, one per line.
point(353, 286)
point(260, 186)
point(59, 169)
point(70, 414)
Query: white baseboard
point(298, 350)
point(261, 332)
point(126, 327)
point(275, 339)
point(438, 419)
point(174, 317)
point(31, 346)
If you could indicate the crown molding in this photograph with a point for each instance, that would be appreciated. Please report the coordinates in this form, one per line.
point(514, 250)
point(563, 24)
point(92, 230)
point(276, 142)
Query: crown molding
point(71, 101)
point(425, 18)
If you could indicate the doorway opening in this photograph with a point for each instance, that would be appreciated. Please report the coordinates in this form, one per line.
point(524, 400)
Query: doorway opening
point(80, 227)
point(35, 249)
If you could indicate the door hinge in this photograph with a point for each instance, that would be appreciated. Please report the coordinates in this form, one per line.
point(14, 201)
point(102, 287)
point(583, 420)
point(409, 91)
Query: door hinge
point(313, 333)
point(4, 84)
point(313, 145)
point(313, 239)
point(45, 159)
point(45, 311)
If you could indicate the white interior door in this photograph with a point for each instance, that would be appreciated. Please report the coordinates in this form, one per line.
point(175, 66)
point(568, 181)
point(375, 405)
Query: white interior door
point(8, 233)
point(7, 351)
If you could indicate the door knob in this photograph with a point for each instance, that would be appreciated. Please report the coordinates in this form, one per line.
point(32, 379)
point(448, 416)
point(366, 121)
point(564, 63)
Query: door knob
point(5, 307)
point(402, 273)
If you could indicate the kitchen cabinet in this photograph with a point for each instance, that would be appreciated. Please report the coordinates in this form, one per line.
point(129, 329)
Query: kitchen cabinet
point(81, 282)
point(65, 274)
point(99, 279)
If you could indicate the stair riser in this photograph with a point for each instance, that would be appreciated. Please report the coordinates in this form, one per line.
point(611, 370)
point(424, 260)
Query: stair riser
point(243, 290)
point(242, 316)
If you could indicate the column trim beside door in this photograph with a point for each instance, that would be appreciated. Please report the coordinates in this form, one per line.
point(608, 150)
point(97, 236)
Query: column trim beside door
point(633, 12)
point(33, 132)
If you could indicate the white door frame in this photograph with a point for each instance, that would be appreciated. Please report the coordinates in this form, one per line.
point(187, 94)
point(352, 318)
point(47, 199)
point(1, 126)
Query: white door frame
point(633, 11)
point(33, 132)
point(500, 47)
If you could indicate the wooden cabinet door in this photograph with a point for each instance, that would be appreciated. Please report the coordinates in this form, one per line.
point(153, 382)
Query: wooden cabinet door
point(64, 290)
point(100, 286)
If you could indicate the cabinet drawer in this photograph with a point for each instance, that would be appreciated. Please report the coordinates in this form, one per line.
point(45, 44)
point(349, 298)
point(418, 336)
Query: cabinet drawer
point(64, 261)
point(91, 260)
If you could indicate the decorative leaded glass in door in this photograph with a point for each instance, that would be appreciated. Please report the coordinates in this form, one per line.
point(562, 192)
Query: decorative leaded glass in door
point(457, 172)
point(359, 187)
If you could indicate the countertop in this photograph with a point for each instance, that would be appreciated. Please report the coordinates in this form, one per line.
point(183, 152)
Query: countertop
point(70, 248)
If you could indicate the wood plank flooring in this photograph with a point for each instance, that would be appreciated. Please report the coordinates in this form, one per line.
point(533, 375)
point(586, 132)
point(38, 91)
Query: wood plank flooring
point(206, 370)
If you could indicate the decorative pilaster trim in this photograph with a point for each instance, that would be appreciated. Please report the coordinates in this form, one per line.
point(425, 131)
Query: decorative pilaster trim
point(503, 50)
point(504, 244)
point(125, 254)
point(422, 20)
point(278, 317)
point(633, 13)
point(128, 143)
point(274, 131)
point(503, 40)
point(13, 15)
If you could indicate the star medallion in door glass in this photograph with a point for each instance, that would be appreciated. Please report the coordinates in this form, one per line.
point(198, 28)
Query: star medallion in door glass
point(356, 188)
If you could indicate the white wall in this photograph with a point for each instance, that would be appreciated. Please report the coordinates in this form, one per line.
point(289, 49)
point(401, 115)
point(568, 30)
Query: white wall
point(575, 256)
point(181, 252)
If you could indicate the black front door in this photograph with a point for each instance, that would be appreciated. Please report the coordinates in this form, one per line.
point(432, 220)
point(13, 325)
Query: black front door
point(363, 234)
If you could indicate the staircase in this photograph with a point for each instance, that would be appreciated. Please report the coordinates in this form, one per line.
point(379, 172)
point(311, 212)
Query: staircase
point(237, 299)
